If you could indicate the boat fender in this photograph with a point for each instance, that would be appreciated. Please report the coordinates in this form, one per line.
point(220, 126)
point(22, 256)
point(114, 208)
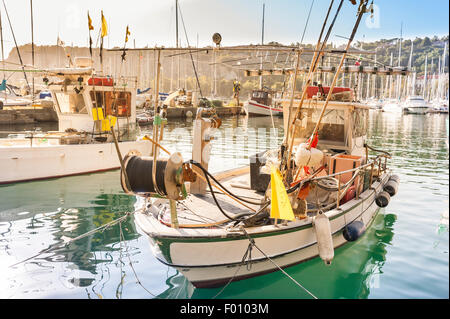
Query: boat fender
point(324, 238)
point(391, 187)
point(383, 199)
point(354, 230)
point(307, 157)
point(395, 178)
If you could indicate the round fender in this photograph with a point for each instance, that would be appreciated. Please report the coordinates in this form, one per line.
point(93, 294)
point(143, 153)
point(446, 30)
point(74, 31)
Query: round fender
point(354, 230)
point(391, 187)
point(383, 199)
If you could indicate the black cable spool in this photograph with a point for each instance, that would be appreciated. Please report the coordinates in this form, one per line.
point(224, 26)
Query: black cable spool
point(139, 171)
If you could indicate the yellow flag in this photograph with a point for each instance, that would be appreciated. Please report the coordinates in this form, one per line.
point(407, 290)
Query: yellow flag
point(104, 26)
point(127, 33)
point(90, 22)
point(280, 205)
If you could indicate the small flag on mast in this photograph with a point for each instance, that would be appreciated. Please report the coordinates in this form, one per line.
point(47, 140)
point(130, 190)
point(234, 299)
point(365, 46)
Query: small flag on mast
point(90, 23)
point(104, 26)
point(127, 33)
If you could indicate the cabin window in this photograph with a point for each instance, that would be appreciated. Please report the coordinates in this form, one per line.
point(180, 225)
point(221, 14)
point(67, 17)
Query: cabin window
point(114, 103)
point(259, 95)
point(331, 128)
point(360, 122)
point(71, 103)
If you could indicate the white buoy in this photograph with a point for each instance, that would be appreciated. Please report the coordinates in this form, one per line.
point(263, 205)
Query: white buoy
point(308, 157)
point(324, 238)
point(189, 114)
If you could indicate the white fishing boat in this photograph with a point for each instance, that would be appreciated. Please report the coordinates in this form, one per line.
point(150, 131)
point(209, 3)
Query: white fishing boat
point(87, 106)
point(196, 237)
point(320, 190)
point(416, 105)
point(261, 103)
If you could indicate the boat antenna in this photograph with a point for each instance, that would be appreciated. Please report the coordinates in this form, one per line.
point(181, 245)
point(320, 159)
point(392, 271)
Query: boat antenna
point(17, 47)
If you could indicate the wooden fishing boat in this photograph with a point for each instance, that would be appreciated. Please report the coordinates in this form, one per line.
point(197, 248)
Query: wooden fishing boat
point(320, 190)
point(87, 105)
point(210, 249)
point(261, 103)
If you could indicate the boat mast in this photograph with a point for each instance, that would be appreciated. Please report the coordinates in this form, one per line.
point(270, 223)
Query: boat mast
point(262, 43)
point(178, 43)
point(3, 56)
point(425, 79)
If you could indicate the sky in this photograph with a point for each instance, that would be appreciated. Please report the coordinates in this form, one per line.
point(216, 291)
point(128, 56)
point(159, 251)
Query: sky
point(152, 22)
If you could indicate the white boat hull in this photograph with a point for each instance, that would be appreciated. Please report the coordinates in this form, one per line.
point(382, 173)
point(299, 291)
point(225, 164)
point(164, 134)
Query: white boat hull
point(417, 109)
point(25, 163)
point(253, 108)
point(212, 258)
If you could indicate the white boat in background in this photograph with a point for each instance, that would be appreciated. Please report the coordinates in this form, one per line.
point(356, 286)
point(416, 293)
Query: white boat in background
point(262, 104)
point(416, 105)
point(375, 104)
point(9, 97)
point(87, 107)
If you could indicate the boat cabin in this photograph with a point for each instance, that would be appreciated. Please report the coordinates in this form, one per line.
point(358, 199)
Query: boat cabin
point(262, 97)
point(84, 101)
point(343, 127)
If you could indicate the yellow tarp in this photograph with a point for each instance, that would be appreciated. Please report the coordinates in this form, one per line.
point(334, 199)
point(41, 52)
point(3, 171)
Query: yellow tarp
point(109, 122)
point(97, 113)
point(280, 204)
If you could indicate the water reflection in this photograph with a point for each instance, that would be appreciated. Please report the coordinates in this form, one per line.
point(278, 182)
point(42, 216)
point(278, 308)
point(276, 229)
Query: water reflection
point(37, 215)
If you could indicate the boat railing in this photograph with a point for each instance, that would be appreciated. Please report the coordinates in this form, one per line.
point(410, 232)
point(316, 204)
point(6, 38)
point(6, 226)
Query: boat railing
point(45, 135)
point(374, 167)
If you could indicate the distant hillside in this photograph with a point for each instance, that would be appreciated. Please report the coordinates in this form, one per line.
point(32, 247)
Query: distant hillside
point(433, 47)
point(224, 66)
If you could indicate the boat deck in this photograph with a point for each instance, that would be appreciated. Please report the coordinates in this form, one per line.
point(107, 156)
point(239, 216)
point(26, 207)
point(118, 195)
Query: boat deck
point(201, 209)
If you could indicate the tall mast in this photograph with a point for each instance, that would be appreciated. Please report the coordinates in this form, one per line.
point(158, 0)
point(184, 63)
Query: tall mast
point(262, 43)
point(176, 22)
point(178, 43)
point(3, 54)
point(425, 79)
point(399, 61)
point(32, 47)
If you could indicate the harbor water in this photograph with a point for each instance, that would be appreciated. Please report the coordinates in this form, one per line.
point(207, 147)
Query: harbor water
point(404, 254)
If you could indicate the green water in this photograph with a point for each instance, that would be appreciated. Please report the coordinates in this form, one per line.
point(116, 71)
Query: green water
point(404, 254)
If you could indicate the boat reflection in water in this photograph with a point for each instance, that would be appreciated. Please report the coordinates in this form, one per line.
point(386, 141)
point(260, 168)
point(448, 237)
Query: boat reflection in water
point(354, 272)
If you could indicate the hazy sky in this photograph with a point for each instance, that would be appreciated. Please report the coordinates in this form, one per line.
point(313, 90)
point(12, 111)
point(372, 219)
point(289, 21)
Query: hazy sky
point(239, 22)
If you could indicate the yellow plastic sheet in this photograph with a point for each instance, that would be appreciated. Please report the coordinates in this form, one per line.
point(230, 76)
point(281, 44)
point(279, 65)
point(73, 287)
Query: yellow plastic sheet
point(280, 204)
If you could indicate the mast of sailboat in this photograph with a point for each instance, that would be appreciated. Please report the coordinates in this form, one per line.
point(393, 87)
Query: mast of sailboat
point(425, 79)
point(17, 47)
point(441, 87)
point(262, 43)
point(3, 57)
point(399, 61)
point(410, 80)
point(178, 42)
point(32, 48)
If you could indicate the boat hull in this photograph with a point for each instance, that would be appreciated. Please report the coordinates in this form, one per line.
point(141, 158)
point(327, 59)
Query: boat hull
point(24, 163)
point(416, 109)
point(212, 259)
point(254, 108)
